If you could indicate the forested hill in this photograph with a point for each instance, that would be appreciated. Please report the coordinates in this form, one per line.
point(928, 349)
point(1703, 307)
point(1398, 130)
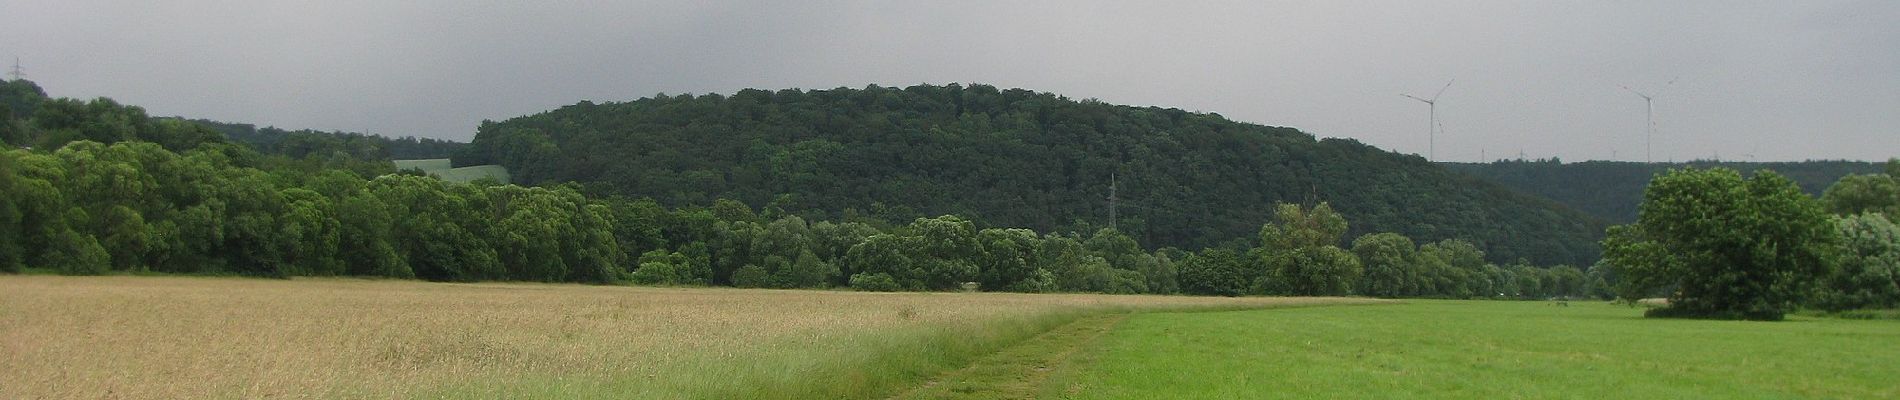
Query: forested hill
point(303, 142)
point(21, 100)
point(1014, 158)
point(1611, 189)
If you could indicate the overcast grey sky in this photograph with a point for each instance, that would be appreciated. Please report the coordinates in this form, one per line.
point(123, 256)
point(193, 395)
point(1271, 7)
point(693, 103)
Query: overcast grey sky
point(1763, 80)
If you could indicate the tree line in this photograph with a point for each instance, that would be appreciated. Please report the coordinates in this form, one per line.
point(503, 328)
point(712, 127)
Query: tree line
point(90, 208)
point(133, 206)
point(302, 143)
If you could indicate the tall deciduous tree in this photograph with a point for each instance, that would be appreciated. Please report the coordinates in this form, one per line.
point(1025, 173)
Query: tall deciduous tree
point(1301, 255)
point(1391, 265)
point(887, 255)
point(1731, 247)
point(1215, 271)
point(1009, 257)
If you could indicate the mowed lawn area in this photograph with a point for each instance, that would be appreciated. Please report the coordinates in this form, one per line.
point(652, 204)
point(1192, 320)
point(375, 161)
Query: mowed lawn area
point(1486, 350)
point(189, 337)
point(441, 168)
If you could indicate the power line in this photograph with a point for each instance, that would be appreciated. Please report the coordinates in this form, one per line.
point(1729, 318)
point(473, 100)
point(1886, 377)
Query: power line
point(1111, 201)
point(17, 73)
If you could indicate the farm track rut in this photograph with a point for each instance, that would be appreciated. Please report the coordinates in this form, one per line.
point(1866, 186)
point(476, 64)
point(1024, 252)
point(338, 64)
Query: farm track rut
point(1022, 370)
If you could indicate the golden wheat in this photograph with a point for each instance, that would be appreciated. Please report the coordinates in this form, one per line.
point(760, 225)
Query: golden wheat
point(177, 337)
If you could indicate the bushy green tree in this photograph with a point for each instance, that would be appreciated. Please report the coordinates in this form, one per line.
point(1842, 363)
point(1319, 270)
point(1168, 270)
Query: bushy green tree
point(311, 234)
point(1300, 227)
point(1599, 282)
point(947, 251)
point(528, 234)
point(1390, 261)
point(886, 254)
point(366, 239)
point(74, 253)
point(731, 246)
point(437, 229)
point(1159, 273)
point(1855, 194)
point(1313, 271)
point(12, 231)
point(1731, 247)
point(807, 271)
point(831, 240)
point(661, 267)
point(1300, 253)
point(639, 226)
point(592, 253)
point(1215, 271)
point(1112, 245)
point(1064, 258)
point(1009, 257)
point(1454, 268)
point(875, 282)
point(1869, 272)
point(751, 276)
point(1567, 281)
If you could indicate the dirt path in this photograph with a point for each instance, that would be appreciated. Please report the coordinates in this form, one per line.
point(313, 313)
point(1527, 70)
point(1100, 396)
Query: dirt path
point(1020, 371)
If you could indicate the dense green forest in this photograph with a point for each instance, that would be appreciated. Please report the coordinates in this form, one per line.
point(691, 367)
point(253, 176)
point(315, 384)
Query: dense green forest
point(1015, 158)
point(302, 142)
point(1611, 190)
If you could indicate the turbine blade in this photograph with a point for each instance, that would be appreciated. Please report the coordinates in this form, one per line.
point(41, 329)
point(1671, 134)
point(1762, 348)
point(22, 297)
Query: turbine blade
point(1441, 91)
point(1638, 94)
point(1666, 86)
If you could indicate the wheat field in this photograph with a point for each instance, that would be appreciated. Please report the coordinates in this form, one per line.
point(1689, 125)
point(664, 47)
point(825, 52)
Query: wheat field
point(190, 337)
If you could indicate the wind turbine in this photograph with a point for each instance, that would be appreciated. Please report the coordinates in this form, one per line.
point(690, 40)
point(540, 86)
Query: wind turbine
point(1433, 128)
point(1649, 116)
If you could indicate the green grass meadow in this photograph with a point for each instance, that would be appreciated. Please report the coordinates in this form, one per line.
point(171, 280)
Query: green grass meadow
point(1486, 349)
point(440, 167)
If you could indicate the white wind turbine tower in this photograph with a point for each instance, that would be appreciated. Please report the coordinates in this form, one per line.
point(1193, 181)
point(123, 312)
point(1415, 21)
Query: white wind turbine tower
point(1433, 128)
point(1649, 117)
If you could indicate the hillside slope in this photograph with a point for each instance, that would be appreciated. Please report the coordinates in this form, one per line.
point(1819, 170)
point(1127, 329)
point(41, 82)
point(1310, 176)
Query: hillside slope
point(1014, 158)
point(1611, 190)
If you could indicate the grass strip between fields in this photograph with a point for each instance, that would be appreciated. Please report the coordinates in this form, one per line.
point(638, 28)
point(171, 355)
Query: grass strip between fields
point(1019, 371)
point(871, 365)
point(1043, 366)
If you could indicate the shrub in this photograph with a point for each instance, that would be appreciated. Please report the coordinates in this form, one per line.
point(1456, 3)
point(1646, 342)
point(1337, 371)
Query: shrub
point(1214, 272)
point(1868, 274)
point(1039, 281)
point(657, 273)
point(878, 282)
point(78, 254)
point(751, 276)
